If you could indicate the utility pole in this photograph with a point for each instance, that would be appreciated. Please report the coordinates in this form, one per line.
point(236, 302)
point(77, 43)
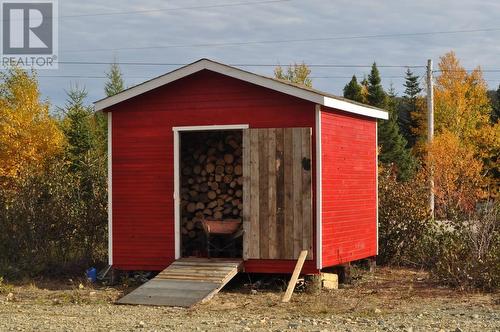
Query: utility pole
point(430, 129)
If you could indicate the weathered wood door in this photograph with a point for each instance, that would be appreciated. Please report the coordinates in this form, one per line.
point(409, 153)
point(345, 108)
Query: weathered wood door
point(277, 203)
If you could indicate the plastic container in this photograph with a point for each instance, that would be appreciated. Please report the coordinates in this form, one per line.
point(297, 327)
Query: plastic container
point(91, 274)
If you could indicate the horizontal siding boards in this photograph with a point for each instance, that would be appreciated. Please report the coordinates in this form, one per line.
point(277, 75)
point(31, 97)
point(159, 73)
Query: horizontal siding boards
point(293, 207)
point(349, 204)
point(143, 182)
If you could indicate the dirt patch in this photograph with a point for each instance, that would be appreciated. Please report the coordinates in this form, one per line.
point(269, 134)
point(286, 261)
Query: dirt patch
point(387, 300)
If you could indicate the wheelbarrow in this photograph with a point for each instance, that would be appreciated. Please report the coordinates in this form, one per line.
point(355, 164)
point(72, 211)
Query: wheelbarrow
point(228, 230)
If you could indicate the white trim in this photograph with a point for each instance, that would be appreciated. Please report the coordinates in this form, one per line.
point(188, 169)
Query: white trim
point(177, 210)
point(355, 108)
point(212, 127)
point(314, 96)
point(319, 223)
point(376, 175)
point(110, 191)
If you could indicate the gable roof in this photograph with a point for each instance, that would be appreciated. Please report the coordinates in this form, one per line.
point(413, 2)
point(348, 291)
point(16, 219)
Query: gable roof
point(299, 91)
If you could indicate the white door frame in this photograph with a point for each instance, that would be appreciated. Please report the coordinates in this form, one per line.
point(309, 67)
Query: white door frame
point(177, 201)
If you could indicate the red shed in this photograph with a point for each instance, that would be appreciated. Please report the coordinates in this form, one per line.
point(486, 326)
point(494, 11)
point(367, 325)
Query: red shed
point(296, 167)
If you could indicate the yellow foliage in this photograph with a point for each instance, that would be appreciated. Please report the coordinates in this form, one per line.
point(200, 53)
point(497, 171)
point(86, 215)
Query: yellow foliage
point(465, 152)
point(296, 73)
point(457, 172)
point(28, 134)
point(460, 99)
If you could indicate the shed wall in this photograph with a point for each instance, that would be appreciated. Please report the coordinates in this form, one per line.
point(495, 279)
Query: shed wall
point(349, 187)
point(142, 144)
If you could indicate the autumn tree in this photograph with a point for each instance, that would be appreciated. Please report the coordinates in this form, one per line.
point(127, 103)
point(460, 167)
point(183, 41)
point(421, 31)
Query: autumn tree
point(461, 103)
point(457, 175)
point(410, 108)
point(29, 135)
point(353, 90)
point(296, 73)
point(462, 107)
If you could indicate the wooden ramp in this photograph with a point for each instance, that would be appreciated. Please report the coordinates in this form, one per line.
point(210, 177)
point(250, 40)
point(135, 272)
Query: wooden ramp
point(185, 282)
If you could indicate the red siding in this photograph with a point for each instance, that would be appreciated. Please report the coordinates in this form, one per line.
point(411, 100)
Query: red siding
point(142, 144)
point(349, 187)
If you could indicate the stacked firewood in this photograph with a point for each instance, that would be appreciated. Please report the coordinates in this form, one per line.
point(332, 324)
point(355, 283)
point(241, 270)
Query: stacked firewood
point(211, 179)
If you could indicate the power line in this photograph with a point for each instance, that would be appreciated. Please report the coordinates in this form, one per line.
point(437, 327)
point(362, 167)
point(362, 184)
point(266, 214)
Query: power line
point(176, 8)
point(281, 41)
point(144, 11)
point(312, 77)
point(233, 64)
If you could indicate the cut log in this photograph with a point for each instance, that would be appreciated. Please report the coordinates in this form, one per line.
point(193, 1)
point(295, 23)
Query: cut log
point(191, 207)
point(238, 170)
point(210, 168)
point(228, 158)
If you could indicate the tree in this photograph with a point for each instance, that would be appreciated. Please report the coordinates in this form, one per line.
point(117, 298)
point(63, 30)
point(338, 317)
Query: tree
point(79, 126)
point(457, 175)
point(29, 136)
point(462, 107)
point(353, 90)
point(393, 149)
point(115, 83)
point(495, 115)
point(410, 108)
point(376, 94)
point(296, 73)
point(461, 99)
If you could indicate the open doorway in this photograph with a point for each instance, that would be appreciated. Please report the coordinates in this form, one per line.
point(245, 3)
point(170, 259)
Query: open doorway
point(211, 193)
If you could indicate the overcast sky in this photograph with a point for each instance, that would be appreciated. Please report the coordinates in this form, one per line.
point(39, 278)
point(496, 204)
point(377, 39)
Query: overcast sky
point(313, 31)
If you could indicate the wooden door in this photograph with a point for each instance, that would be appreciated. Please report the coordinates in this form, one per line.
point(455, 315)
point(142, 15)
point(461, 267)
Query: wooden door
point(277, 203)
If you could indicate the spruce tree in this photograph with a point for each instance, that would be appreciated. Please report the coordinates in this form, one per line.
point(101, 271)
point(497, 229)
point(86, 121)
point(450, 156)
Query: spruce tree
point(115, 82)
point(353, 90)
point(409, 107)
point(78, 126)
point(393, 144)
point(376, 94)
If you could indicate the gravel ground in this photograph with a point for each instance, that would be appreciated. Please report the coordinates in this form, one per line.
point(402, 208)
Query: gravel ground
point(388, 300)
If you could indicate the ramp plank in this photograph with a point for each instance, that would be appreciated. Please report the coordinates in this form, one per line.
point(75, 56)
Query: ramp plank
point(185, 282)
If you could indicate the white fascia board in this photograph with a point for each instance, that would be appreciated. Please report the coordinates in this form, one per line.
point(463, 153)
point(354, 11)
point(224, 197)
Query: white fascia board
point(354, 108)
point(149, 85)
point(265, 82)
point(242, 75)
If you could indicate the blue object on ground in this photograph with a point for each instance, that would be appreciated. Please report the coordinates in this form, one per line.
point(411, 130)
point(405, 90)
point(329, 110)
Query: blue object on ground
point(91, 274)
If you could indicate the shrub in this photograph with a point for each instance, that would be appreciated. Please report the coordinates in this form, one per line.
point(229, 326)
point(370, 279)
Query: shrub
point(53, 220)
point(404, 221)
point(468, 250)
